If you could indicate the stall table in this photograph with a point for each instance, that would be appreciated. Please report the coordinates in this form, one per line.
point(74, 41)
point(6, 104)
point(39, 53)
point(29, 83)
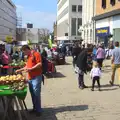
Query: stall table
point(10, 99)
point(10, 69)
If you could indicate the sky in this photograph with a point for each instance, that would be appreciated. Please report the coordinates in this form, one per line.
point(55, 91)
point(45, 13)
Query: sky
point(42, 13)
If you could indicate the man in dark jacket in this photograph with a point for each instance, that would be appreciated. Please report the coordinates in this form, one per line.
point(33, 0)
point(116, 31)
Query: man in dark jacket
point(75, 52)
point(82, 65)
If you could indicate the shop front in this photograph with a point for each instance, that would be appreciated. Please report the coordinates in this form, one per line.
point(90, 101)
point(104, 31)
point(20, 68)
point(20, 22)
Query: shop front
point(116, 28)
point(102, 35)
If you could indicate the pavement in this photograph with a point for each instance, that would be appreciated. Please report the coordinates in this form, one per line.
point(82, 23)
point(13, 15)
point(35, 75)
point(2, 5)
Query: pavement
point(63, 100)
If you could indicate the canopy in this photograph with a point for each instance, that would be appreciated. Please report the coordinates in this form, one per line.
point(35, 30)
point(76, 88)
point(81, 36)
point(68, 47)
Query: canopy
point(2, 42)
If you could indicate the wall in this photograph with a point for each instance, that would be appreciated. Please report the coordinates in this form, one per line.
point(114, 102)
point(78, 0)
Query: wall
point(64, 22)
point(116, 28)
point(116, 21)
point(88, 13)
point(31, 34)
point(109, 7)
point(7, 20)
point(62, 28)
point(74, 15)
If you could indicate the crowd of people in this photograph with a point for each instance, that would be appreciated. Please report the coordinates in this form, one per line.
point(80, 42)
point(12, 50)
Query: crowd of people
point(91, 59)
point(85, 60)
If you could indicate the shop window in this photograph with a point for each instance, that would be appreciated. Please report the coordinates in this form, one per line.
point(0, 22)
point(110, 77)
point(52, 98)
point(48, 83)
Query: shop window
point(112, 2)
point(104, 4)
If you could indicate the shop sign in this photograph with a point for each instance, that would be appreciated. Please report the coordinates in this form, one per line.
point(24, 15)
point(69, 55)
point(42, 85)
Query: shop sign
point(105, 31)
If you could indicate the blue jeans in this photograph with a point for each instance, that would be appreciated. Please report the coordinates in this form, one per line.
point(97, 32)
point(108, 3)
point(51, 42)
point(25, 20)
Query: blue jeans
point(35, 90)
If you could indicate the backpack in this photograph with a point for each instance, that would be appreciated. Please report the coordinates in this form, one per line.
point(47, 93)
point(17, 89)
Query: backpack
point(34, 59)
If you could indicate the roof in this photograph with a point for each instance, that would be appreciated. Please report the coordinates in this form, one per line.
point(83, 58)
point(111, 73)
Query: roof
point(11, 3)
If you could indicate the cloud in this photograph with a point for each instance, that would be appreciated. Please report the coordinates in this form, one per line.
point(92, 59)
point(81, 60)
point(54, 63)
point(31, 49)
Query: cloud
point(38, 18)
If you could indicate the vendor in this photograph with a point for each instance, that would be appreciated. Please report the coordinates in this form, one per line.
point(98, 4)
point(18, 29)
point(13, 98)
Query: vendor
point(34, 70)
point(6, 59)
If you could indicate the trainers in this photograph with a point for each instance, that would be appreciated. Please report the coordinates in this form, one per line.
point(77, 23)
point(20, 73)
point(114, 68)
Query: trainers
point(38, 114)
point(99, 89)
point(85, 86)
point(92, 89)
point(32, 111)
point(81, 87)
point(111, 83)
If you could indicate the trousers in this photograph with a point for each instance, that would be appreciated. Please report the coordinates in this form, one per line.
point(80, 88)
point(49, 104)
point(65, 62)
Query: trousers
point(96, 78)
point(81, 80)
point(35, 91)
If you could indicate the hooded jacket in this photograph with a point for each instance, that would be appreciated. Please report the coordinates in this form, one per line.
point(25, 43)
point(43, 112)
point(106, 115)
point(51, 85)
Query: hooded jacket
point(82, 61)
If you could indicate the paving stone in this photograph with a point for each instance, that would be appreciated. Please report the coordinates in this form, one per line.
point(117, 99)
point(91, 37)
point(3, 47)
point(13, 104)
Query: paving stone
point(63, 100)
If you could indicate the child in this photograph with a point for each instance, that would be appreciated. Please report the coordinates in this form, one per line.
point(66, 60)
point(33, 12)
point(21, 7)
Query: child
point(95, 75)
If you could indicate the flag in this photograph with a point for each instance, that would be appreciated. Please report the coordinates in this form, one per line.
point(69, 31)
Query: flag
point(28, 42)
point(50, 43)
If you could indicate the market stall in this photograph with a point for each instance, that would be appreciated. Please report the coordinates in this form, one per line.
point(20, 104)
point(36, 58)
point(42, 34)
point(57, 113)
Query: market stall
point(14, 65)
point(13, 90)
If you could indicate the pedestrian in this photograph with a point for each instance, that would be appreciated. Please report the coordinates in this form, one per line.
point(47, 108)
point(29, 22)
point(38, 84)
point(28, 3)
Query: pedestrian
point(100, 56)
point(115, 61)
point(95, 75)
point(81, 63)
point(34, 70)
point(94, 53)
point(75, 52)
point(6, 60)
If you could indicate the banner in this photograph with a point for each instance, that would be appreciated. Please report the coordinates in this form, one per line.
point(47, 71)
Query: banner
point(9, 39)
point(50, 43)
point(28, 42)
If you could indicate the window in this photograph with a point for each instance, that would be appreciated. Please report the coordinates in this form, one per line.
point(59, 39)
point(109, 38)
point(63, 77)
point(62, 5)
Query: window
point(87, 33)
point(104, 4)
point(90, 32)
point(66, 34)
point(112, 2)
point(79, 8)
point(73, 8)
point(79, 24)
point(73, 26)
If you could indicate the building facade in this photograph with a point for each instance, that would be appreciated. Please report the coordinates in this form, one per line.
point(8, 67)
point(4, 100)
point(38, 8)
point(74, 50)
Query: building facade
point(88, 26)
point(107, 20)
point(69, 19)
point(32, 35)
point(55, 31)
point(8, 19)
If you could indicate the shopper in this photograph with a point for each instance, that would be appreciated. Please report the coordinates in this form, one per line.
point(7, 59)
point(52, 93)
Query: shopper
point(81, 63)
point(115, 61)
point(5, 59)
point(34, 69)
point(100, 56)
point(95, 75)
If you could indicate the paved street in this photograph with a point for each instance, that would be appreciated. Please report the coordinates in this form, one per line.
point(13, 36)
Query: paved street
point(63, 100)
